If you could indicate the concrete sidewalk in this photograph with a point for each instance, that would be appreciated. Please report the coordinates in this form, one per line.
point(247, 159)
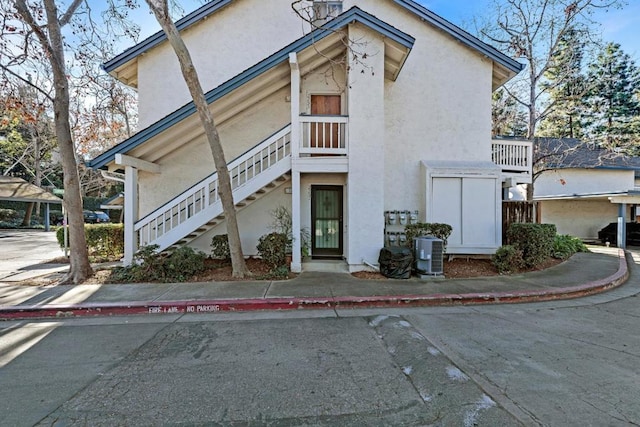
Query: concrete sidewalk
point(583, 274)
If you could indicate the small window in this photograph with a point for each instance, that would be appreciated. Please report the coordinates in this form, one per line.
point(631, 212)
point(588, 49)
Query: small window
point(325, 10)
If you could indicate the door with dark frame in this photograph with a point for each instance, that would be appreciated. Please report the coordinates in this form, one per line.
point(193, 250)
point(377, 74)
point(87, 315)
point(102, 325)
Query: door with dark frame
point(326, 221)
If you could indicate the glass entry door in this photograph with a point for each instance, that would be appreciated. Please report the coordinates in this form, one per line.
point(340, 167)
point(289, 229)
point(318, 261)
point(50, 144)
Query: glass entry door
point(326, 221)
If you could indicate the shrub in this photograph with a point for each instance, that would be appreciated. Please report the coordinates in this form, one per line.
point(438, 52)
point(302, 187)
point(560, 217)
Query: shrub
point(220, 247)
point(507, 259)
point(183, 263)
point(102, 239)
point(9, 215)
point(150, 266)
point(435, 229)
point(272, 248)
point(282, 223)
point(534, 240)
point(564, 246)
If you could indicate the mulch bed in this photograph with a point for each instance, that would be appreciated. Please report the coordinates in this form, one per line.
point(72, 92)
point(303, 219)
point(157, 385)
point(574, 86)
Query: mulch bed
point(220, 271)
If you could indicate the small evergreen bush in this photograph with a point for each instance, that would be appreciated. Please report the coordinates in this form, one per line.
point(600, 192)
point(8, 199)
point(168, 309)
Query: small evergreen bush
point(220, 247)
point(272, 248)
point(564, 246)
point(507, 259)
point(534, 240)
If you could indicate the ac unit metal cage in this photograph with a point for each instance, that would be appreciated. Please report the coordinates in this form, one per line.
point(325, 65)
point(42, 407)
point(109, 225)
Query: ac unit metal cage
point(428, 255)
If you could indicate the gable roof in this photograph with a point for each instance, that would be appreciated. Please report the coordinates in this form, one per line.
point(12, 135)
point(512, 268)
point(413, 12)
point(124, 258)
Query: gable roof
point(570, 153)
point(352, 15)
point(422, 12)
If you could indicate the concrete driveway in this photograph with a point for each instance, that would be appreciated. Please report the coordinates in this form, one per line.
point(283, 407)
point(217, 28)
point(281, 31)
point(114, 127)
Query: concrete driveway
point(22, 253)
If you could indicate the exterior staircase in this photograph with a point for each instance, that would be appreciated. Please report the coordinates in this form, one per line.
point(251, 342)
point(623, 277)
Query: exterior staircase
point(198, 209)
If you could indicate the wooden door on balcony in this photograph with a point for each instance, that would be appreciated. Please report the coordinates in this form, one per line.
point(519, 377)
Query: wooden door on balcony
point(326, 221)
point(325, 135)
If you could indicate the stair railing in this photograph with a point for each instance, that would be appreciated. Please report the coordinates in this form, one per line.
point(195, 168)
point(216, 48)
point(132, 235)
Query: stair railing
point(178, 217)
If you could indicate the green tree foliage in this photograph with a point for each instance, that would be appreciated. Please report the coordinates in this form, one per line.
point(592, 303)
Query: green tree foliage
point(26, 135)
point(508, 118)
point(566, 85)
point(613, 103)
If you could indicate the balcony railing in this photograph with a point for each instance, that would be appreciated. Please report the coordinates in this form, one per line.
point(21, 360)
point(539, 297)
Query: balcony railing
point(512, 156)
point(323, 135)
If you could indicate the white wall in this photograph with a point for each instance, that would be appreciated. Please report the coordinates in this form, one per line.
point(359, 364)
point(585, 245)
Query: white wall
point(188, 165)
point(222, 46)
point(438, 109)
point(582, 181)
point(579, 218)
point(326, 80)
point(254, 221)
point(366, 151)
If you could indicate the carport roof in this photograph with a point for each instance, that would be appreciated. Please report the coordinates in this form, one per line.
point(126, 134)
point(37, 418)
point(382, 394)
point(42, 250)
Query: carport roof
point(18, 190)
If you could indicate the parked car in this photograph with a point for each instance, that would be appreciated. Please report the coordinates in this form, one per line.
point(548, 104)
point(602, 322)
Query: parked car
point(95, 217)
point(610, 234)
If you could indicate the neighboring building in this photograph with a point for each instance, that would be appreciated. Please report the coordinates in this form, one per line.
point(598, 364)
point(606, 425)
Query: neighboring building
point(406, 126)
point(583, 188)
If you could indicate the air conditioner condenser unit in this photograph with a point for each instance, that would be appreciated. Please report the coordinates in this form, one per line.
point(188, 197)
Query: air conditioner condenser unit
point(428, 255)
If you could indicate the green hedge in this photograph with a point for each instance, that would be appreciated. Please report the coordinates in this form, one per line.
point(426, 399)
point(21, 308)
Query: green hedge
point(102, 239)
point(534, 240)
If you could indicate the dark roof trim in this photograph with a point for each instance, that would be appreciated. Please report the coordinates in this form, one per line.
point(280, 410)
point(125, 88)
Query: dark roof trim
point(461, 35)
point(159, 37)
point(352, 15)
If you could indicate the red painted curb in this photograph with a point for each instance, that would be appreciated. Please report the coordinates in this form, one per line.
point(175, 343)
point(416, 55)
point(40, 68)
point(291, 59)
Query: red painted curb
point(224, 305)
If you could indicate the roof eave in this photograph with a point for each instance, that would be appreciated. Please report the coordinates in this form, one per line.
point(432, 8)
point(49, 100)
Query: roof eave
point(462, 36)
point(350, 16)
point(157, 38)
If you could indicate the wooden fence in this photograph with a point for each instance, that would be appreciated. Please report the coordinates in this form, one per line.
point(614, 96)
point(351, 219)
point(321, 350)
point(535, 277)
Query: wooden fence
point(515, 211)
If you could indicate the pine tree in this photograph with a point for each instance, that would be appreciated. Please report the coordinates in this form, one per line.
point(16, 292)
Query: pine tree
point(507, 117)
point(566, 86)
point(613, 102)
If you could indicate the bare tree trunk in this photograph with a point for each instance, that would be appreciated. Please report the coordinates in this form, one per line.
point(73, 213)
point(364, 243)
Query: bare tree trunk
point(80, 268)
point(161, 12)
point(27, 215)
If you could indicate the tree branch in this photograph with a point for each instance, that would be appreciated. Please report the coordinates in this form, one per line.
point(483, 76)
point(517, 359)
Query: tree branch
point(18, 76)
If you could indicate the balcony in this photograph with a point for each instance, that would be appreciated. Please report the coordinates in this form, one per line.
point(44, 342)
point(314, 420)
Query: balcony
point(515, 158)
point(323, 135)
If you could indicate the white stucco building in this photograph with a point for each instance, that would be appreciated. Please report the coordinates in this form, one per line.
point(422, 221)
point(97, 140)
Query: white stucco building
point(386, 107)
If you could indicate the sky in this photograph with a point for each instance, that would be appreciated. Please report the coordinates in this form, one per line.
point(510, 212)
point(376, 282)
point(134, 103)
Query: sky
point(617, 25)
point(620, 26)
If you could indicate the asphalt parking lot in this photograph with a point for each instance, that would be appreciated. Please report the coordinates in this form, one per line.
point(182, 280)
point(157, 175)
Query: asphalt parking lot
point(23, 251)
